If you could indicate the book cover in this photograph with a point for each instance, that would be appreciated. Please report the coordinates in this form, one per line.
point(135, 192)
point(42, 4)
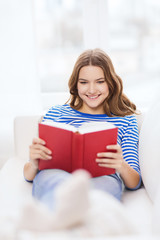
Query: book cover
point(74, 148)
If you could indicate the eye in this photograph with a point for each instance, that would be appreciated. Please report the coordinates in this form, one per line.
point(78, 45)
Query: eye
point(101, 81)
point(82, 82)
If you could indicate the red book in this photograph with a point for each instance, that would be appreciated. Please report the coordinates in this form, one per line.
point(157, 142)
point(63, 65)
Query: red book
point(74, 148)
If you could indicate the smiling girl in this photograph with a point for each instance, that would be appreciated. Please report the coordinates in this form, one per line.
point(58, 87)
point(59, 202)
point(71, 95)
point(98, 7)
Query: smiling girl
point(96, 94)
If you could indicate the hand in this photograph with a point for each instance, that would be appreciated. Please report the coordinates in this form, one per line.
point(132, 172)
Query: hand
point(111, 159)
point(38, 151)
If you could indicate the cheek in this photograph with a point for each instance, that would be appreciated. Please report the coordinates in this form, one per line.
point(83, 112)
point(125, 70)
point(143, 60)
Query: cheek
point(105, 90)
point(81, 89)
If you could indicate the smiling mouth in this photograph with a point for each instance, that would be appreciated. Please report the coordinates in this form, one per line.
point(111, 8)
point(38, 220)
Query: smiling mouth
point(93, 97)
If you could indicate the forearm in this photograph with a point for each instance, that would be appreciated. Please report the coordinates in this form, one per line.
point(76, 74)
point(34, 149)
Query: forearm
point(30, 171)
point(129, 176)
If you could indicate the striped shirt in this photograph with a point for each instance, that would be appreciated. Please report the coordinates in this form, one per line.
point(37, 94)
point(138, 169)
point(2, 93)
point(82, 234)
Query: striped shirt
point(128, 135)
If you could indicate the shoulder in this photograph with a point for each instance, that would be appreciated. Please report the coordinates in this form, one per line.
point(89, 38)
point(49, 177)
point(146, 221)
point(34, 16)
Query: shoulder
point(53, 113)
point(131, 119)
point(59, 108)
point(58, 111)
point(132, 124)
point(126, 125)
point(54, 110)
point(124, 121)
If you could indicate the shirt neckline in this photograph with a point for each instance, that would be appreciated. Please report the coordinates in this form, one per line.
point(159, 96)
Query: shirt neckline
point(88, 114)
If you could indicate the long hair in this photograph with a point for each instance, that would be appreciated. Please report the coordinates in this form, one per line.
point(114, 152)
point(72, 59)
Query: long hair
point(116, 102)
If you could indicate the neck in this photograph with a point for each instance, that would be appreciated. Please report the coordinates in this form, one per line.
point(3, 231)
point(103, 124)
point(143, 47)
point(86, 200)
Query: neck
point(91, 111)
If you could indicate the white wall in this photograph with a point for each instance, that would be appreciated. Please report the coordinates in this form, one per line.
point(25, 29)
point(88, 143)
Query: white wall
point(19, 87)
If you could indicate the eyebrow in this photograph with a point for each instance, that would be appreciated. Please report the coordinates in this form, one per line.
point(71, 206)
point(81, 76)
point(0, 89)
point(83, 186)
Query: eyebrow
point(95, 79)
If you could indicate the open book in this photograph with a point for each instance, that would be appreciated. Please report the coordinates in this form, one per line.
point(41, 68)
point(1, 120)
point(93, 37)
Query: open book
point(73, 148)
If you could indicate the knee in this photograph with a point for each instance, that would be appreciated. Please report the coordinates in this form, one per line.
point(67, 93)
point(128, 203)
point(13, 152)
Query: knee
point(109, 184)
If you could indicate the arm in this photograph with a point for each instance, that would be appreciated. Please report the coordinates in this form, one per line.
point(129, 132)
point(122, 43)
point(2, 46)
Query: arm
point(125, 158)
point(115, 160)
point(37, 151)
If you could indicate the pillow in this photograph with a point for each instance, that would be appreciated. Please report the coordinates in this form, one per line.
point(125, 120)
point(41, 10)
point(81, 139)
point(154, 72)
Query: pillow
point(149, 145)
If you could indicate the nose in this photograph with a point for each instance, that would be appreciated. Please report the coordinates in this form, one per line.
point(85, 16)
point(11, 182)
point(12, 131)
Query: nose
point(91, 88)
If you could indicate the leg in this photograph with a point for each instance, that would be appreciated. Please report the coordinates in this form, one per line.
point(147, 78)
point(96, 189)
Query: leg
point(109, 183)
point(70, 202)
point(45, 183)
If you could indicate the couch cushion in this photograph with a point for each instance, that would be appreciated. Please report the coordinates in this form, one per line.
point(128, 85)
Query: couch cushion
point(139, 206)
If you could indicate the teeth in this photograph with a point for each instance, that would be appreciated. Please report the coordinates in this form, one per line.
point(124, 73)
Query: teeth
point(92, 97)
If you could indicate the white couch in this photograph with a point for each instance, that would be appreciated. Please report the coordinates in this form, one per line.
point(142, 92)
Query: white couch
point(140, 205)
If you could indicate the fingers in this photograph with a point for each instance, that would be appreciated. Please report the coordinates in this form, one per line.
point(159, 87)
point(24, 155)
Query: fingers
point(111, 159)
point(116, 153)
point(115, 148)
point(38, 141)
point(110, 163)
point(39, 151)
point(39, 154)
point(41, 148)
point(106, 160)
point(108, 155)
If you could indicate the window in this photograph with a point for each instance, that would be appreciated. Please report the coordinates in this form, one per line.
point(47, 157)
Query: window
point(134, 45)
point(129, 31)
point(59, 40)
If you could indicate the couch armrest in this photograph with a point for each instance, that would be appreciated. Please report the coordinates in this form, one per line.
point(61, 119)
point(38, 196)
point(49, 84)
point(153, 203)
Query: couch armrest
point(25, 129)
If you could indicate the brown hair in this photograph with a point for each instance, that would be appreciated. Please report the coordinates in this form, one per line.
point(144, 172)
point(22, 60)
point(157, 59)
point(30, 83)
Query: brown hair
point(116, 102)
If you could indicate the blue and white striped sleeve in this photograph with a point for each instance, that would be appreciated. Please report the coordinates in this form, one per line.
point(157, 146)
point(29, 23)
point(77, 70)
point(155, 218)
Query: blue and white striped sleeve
point(129, 144)
point(53, 114)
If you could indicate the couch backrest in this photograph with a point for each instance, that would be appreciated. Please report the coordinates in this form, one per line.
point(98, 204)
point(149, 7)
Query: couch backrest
point(140, 119)
point(26, 128)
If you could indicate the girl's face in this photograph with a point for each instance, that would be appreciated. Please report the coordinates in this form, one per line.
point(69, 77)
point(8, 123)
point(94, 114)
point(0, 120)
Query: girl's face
point(92, 89)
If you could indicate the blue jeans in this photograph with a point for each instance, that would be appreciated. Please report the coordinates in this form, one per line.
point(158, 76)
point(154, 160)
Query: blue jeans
point(47, 180)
